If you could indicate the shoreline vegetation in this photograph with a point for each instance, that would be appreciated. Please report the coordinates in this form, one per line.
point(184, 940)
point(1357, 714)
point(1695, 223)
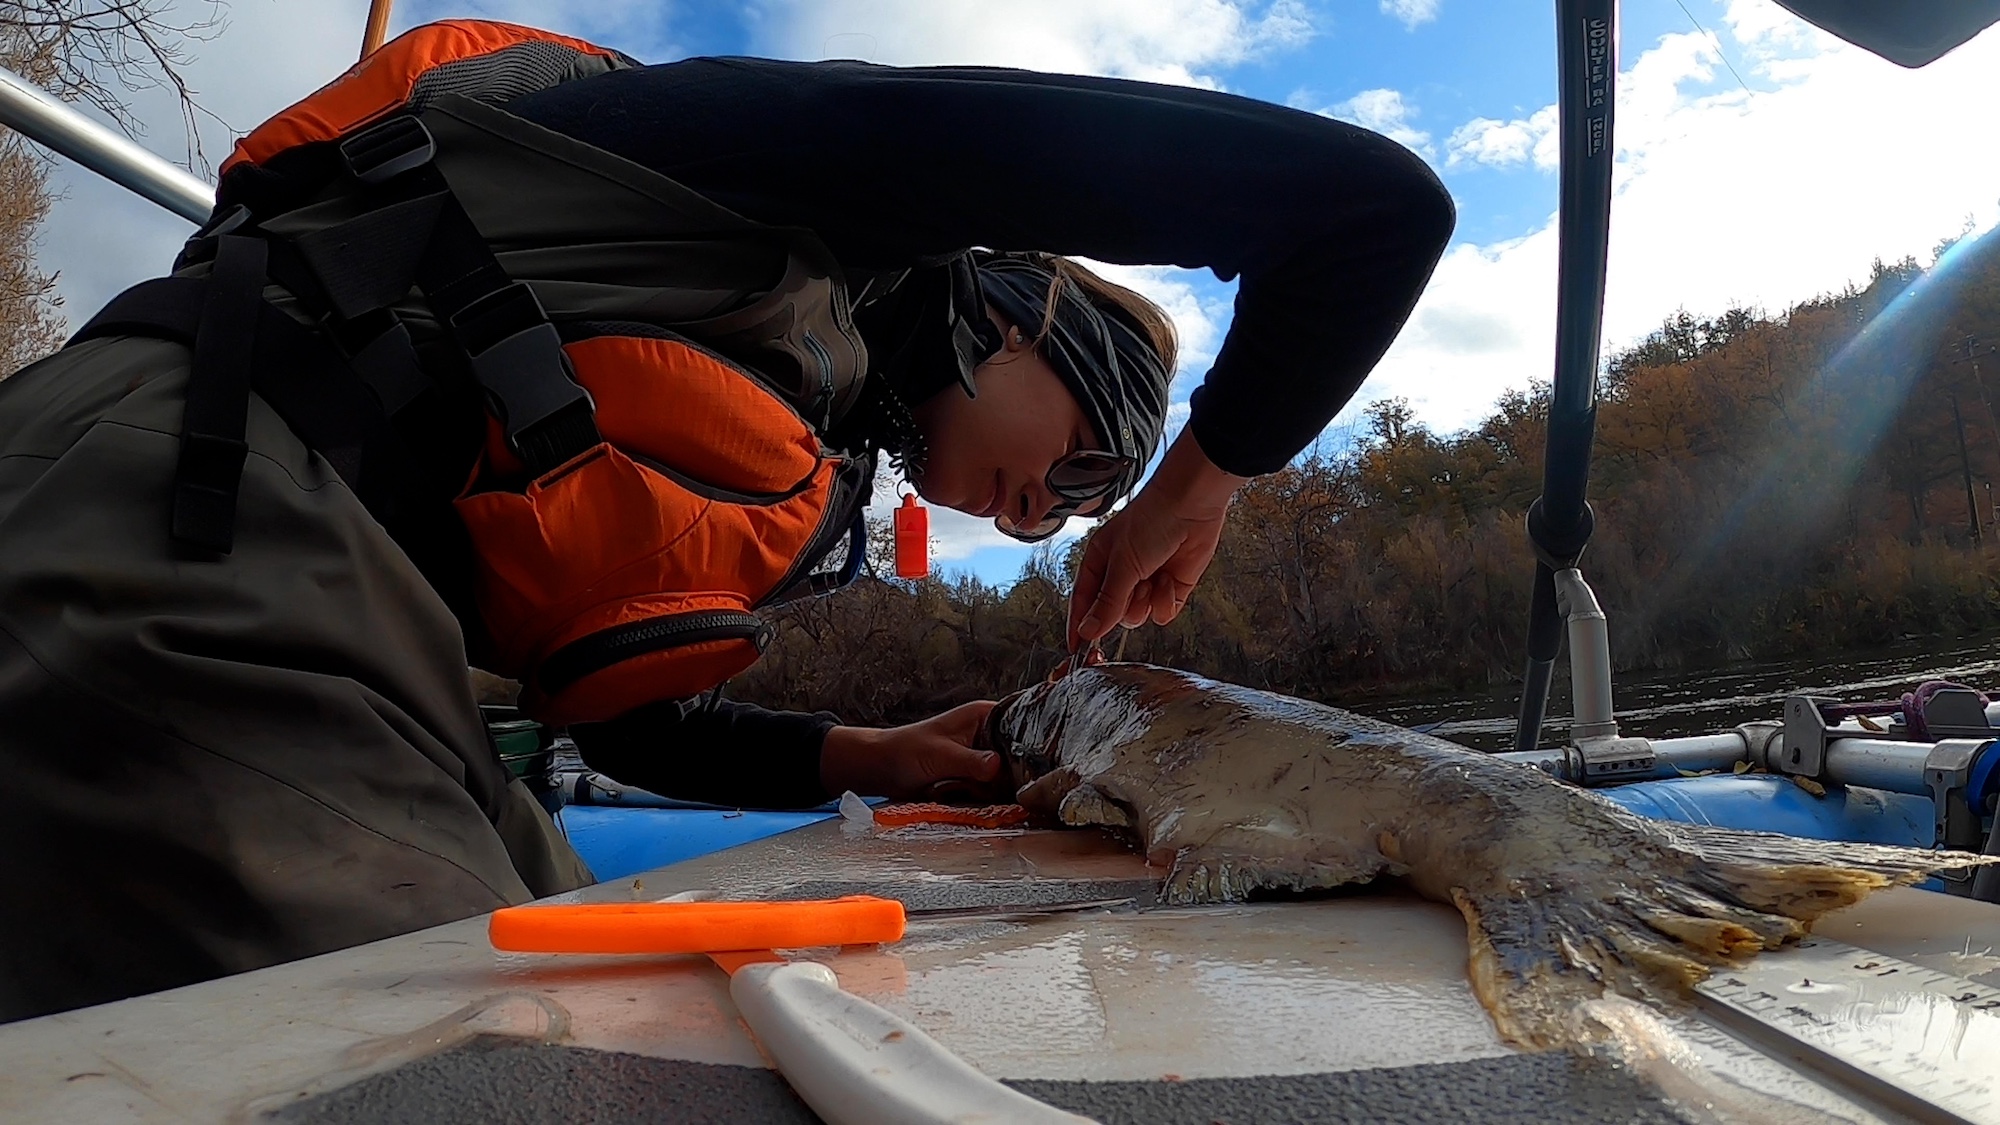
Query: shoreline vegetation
point(1766, 486)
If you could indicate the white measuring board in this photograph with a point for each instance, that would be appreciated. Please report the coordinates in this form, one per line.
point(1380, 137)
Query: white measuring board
point(1927, 1043)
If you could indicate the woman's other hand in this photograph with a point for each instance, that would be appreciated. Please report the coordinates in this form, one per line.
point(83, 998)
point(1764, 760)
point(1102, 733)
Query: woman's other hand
point(921, 761)
point(1143, 562)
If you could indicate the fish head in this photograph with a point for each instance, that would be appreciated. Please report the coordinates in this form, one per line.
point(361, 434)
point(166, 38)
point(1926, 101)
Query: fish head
point(1003, 733)
point(1025, 729)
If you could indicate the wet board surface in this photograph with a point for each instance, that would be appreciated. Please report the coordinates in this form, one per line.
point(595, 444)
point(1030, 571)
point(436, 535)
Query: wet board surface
point(1263, 993)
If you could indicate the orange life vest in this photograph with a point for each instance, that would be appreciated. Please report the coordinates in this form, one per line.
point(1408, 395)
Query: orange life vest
point(654, 468)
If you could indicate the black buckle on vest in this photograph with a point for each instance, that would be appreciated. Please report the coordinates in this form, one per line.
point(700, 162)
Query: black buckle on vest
point(384, 151)
point(517, 356)
point(200, 246)
point(228, 222)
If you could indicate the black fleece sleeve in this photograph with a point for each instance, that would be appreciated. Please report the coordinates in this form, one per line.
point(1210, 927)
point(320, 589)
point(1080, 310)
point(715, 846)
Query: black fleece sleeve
point(734, 754)
point(1332, 229)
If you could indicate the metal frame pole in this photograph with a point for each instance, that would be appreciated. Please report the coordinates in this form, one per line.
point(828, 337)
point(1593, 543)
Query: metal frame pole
point(30, 111)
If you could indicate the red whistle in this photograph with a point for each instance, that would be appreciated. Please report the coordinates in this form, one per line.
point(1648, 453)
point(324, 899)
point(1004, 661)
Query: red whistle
point(913, 538)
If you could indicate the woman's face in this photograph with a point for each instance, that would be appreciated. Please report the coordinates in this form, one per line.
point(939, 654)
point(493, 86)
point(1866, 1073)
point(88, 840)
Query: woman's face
point(991, 455)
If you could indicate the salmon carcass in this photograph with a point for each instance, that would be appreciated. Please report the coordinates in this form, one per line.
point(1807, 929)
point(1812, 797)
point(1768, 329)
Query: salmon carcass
point(1565, 895)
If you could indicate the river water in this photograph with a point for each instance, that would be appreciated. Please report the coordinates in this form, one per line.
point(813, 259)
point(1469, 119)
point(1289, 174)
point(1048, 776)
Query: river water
point(1707, 700)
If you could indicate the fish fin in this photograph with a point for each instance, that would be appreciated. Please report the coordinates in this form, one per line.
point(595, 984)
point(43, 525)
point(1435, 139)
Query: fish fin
point(1087, 804)
point(1703, 899)
point(1205, 873)
point(1803, 879)
point(1535, 958)
point(1043, 797)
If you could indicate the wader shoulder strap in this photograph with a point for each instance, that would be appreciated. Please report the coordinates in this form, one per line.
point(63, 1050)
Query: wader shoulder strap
point(218, 398)
point(291, 367)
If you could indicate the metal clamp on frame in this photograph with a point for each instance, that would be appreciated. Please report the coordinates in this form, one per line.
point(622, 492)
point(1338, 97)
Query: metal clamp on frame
point(1806, 734)
point(1609, 761)
point(1948, 771)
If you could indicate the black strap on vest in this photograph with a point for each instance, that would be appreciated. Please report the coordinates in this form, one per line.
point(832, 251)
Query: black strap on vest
point(218, 398)
point(514, 352)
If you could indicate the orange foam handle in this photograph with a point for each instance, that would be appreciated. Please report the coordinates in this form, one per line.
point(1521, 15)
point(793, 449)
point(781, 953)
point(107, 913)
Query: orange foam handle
point(925, 812)
point(913, 539)
point(695, 927)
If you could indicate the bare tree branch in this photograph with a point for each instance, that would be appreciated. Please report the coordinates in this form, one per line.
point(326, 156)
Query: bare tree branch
point(100, 52)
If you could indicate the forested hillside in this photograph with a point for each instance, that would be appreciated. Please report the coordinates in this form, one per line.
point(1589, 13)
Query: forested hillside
point(1764, 484)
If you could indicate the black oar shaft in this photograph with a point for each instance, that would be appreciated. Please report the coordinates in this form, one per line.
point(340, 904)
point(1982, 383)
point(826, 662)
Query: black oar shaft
point(1587, 63)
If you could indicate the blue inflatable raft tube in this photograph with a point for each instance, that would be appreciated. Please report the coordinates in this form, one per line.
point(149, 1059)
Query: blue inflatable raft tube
point(618, 842)
point(1767, 803)
point(621, 842)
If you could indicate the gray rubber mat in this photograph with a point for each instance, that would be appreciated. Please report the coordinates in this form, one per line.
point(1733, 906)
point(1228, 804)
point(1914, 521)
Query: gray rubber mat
point(1556, 1088)
point(505, 1082)
point(497, 1081)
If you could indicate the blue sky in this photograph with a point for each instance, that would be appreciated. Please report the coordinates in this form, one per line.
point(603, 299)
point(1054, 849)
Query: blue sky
point(1724, 196)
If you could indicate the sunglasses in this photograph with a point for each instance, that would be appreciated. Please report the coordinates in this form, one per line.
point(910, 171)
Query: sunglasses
point(1075, 479)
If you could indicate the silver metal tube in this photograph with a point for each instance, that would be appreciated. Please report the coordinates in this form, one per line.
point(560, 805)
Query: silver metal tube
point(1701, 752)
point(1552, 760)
point(31, 112)
point(1589, 658)
point(1877, 763)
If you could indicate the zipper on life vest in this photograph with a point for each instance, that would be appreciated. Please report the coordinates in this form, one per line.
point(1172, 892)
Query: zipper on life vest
point(602, 649)
point(833, 520)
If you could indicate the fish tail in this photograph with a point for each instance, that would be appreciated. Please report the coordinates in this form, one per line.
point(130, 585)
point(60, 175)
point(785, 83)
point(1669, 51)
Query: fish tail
point(1662, 919)
point(1802, 879)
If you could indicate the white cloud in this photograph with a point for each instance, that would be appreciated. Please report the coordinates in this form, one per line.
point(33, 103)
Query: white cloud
point(1765, 26)
point(1413, 13)
point(1484, 140)
point(1386, 113)
point(640, 28)
point(1721, 199)
point(1177, 41)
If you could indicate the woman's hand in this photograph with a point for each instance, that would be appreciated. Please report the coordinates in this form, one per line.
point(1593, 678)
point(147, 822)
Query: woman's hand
point(1144, 561)
point(921, 761)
